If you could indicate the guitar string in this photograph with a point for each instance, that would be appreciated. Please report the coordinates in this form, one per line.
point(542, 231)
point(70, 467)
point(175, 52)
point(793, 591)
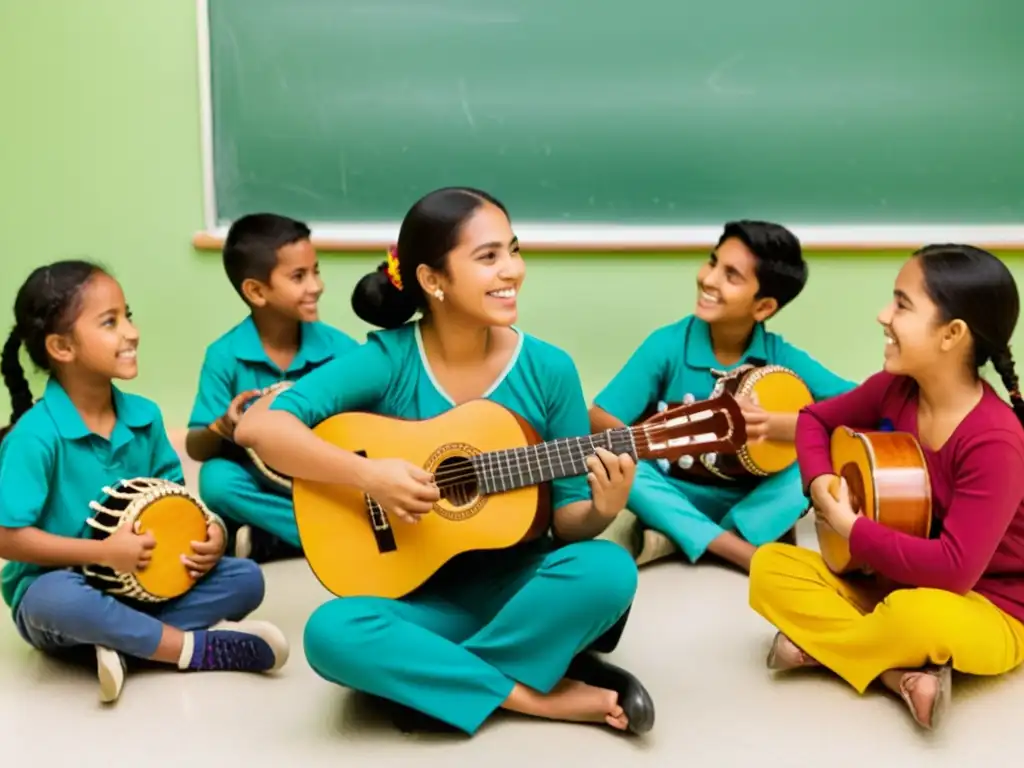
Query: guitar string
point(564, 449)
point(530, 458)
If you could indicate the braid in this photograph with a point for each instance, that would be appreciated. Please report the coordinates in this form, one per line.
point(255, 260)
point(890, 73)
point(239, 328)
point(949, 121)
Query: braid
point(1003, 363)
point(14, 378)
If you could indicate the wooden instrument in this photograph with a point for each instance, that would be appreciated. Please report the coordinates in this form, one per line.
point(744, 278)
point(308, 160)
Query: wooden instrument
point(490, 467)
point(173, 514)
point(888, 482)
point(777, 390)
point(275, 478)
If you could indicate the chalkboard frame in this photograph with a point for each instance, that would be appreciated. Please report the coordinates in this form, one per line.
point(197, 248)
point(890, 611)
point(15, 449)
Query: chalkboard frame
point(566, 238)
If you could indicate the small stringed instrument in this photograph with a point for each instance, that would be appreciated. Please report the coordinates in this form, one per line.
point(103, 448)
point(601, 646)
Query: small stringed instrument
point(490, 467)
point(268, 473)
point(777, 390)
point(888, 481)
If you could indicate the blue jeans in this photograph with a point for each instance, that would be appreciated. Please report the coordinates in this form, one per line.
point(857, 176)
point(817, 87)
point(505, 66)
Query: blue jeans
point(59, 611)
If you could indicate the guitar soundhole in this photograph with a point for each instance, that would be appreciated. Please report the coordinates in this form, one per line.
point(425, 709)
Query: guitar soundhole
point(457, 481)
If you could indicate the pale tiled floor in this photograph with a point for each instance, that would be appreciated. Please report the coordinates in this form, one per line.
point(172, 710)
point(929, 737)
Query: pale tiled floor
point(691, 638)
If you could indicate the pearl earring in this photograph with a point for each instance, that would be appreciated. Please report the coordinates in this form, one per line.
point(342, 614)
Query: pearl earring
point(439, 294)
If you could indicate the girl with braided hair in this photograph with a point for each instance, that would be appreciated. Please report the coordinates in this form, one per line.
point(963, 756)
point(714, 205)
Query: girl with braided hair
point(59, 454)
point(954, 600)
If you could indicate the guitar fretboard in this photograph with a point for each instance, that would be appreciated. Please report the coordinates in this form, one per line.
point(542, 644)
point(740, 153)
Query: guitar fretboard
point(507, 470)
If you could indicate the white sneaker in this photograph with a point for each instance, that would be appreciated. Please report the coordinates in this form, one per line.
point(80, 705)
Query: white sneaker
point(110, 668)
point(243, 542)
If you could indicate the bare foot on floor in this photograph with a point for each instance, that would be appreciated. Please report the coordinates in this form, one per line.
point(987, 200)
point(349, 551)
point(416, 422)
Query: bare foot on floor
point(785, 654)
point(572, 701)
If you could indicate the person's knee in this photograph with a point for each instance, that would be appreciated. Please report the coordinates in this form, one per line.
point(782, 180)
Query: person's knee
point(920, 612)
point(244, 578)
point(219, 481)
point(55, 597)
point(770, 568)
point(335, 635)
point(607, 572)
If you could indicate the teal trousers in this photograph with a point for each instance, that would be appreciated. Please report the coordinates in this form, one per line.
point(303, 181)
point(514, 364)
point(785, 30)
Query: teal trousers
point(455, 648)
point(693, 515)
point(234, 492)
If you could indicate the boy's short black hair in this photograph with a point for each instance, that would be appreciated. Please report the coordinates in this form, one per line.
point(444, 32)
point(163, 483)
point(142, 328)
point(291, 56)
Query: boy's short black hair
point(250, 249)
point(780, 267)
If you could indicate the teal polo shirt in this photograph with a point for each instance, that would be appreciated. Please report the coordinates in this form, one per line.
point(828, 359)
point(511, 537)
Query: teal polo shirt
point(390, 375)
point(237, 362)
point(52, 466)
point(677, 362)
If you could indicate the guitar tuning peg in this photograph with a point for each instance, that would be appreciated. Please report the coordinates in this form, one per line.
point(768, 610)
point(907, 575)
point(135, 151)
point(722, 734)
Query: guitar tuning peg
point(689, 399)
point(685, 462)
point(711, 458)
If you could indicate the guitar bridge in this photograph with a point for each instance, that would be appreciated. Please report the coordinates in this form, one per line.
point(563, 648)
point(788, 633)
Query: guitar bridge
point(381, 526)
point(379, 523)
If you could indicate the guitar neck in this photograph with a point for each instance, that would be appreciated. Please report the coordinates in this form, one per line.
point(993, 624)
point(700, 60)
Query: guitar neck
point(512, 468)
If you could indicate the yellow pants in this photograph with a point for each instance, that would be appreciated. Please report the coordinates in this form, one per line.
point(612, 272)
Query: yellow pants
point(859, 631)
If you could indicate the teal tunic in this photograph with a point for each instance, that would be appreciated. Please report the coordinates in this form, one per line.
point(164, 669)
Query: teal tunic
point(52, 465)
point(486, 620)
point(675, 363)
point(235, 363)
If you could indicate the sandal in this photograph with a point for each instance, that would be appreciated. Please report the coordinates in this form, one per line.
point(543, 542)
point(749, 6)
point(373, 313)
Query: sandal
point(940, 704)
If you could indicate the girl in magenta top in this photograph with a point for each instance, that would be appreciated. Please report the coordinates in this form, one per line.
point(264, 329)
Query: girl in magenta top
point(956, 599)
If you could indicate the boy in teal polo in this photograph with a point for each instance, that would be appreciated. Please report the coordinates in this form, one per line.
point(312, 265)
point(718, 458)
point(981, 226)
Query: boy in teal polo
point(756, 269)
point(273, 266)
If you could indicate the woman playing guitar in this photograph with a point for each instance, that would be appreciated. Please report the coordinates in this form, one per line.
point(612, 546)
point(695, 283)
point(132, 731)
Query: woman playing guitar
point(955, 599)
point(491, 629)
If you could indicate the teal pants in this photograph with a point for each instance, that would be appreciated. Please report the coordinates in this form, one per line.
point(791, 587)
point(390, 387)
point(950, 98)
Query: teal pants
point(455, 648)
point(234, 492)
point(693, 515)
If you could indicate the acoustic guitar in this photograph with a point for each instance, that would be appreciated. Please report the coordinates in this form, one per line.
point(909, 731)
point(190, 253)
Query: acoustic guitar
point(888, 481)
point(491, 468)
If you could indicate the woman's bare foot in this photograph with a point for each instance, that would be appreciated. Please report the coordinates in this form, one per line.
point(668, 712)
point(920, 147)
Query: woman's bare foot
point(926, 693)
point(570, 700)
point(785, 655)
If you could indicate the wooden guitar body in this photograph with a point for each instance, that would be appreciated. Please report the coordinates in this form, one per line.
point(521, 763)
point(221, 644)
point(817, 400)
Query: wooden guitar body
point(888, 480)
point(491, 468)
point(356, 550)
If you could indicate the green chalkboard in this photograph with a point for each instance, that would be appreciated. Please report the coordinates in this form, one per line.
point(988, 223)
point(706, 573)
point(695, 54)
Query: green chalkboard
point(674, 112)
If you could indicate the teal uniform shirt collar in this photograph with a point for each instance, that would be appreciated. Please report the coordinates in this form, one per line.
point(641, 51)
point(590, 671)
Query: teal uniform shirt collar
point(700, 353)
point(314, 346)
point(71, 426)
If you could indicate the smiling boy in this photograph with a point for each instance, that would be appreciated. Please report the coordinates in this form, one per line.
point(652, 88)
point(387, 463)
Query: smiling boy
point(273, 267)
point(756, 269)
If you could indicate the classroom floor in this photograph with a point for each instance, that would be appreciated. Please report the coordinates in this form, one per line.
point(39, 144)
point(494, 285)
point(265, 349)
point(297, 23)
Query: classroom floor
point(691, 638)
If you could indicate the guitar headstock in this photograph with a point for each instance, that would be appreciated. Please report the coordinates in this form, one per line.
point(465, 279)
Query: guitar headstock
point(708, 426)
